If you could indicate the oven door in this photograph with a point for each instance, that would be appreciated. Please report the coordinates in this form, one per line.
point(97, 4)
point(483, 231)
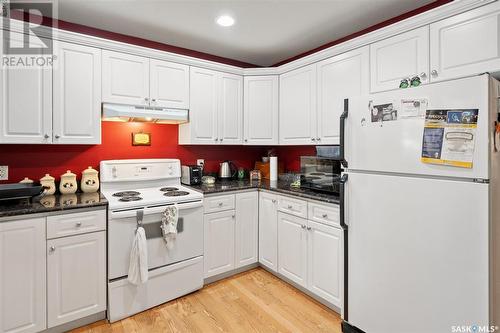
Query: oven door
point(121, 232)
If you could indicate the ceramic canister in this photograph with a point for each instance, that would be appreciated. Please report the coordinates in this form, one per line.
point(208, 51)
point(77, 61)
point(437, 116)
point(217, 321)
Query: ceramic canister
point(90, 180)
point(68, 183)
point(26, 180)
point(49, 183)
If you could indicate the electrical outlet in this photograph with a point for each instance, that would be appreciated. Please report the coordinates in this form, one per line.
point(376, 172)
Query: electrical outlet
point(4, 172)
point(200, 162)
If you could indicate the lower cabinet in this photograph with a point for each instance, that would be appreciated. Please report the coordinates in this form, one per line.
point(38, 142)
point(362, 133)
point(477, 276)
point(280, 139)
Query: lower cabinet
point(230, 233)
point(76, 270)
point(292, 248)
point(22, 276)
point(268, 230)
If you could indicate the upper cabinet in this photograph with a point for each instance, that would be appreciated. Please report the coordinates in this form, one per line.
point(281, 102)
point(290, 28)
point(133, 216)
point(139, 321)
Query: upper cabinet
point(26, 99)
point(312, 97)
point(135, 80)
point(260, 110)
point(216, 109)
point(403, 56)
point(466, 44)
point(297, 116)
point(340, 77)
point(77, 95)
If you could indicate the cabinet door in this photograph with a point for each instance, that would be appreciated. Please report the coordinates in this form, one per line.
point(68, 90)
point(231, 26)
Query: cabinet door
point(202, 126)
point(325, 262)
point(26, 98)
point(169, 84)
point(343, 76)
point(292, 248)
point(231, 109)
point(77, 95)
point(76, 277)
point(125, 78)
point(22, 277)
point(260, 110)
point(268, 230)
point(399, 57)
point(297, 116)
point(466, 44)
point(247, 224)
point(219, 242)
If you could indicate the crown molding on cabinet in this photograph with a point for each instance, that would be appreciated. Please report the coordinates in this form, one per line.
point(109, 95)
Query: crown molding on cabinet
point(439, 13)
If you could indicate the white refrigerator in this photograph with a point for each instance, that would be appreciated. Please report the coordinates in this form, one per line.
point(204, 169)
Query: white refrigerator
point(422, 240)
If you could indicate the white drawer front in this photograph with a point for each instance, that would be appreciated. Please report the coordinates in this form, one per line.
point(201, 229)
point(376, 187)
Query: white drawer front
point(326, 214)
point(292, 206)
point(218, 203)
point(75, 223)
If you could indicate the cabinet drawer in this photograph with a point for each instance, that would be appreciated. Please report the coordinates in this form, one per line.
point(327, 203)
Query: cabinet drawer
point(218, 203)
point(324, 214)
point(292, 206)
point(76, 223)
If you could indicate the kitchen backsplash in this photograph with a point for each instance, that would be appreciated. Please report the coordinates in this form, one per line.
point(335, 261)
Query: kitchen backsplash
point(34, 161)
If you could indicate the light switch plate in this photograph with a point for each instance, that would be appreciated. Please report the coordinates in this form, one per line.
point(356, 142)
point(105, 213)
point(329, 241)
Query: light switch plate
point(200, 162)
point(4, 172)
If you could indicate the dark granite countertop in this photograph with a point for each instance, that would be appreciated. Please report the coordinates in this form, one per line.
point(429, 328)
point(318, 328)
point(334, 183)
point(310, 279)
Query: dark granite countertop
point(279, 186)
point(51, 203)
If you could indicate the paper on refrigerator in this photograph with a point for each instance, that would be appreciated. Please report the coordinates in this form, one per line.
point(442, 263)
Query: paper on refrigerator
point(449, 137)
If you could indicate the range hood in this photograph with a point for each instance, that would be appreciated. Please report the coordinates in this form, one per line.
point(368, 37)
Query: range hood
point(150, 114)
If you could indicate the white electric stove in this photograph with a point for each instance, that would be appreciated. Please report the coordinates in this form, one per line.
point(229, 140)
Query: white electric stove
point(147, 187)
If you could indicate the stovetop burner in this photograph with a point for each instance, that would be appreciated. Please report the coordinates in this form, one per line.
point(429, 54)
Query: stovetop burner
point(175, 193)
point(169, 189)
point(130, 198)
point(126, 194)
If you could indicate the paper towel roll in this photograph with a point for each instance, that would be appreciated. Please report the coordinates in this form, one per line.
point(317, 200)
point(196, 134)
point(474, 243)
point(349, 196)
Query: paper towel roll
point(273, 168)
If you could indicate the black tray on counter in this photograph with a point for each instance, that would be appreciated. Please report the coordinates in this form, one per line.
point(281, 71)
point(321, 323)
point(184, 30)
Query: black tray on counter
point(19, 191)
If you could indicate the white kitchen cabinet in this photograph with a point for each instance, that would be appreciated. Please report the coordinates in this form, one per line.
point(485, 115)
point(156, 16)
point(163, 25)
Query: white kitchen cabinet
point(292, 248)
point(169, 84)
point(26, 99)
point(125, 78)
point(76, 277)
point(260, 110)
point(216, 109)
point(22, 276)
point(399, 57)
point(297, 108)
point(340, 77)
point(77, 95)
point(247, 224)
point(219, 242)
point(466, 44)
point(230, 109)
point(325, 262)
point(268, 230)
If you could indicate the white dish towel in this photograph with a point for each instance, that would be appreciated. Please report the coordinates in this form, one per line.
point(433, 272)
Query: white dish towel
point(169, 219)
point(138, 265)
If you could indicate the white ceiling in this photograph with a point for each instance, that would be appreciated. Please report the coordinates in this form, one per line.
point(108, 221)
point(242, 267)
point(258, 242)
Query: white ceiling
point(265, 32)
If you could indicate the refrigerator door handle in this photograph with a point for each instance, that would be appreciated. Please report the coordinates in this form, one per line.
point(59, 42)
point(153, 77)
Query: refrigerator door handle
point(343, 181)
point(343, 117)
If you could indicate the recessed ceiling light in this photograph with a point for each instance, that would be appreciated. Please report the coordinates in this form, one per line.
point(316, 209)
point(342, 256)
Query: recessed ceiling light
point(225, 21)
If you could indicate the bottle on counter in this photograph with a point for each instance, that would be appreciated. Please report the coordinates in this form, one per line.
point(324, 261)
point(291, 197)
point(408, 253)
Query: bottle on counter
point(68, 183)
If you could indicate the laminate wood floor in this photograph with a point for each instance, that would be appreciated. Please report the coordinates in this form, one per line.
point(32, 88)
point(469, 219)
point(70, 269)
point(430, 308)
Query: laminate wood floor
point(253, 301)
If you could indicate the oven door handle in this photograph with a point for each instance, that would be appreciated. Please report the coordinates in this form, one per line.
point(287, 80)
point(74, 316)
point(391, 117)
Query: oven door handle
point(153, 210)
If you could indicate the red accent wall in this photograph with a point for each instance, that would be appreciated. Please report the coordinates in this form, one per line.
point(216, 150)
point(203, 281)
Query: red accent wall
point(34, 161)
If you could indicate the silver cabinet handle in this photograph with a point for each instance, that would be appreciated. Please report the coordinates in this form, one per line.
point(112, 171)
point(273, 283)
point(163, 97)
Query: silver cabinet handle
point(46, 136)
point(303, 226)
point(233, 216)
point(308, 228)
point(57, 136)
point(220, 140)
point(423, 75)
point(313, 139)
point(78, 224)
point(52, 249)
point(146, 99)
point(290, 206)
point(434, 73)
point(220, 204)
point(274, 200)
point(216, 139)
point(153, 100)
point(318, 139)
point(325, 216)
point(246, 140)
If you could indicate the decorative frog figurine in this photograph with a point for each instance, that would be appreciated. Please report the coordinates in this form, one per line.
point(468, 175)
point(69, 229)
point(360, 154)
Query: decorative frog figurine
point(90, 180)
point(68, 183)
